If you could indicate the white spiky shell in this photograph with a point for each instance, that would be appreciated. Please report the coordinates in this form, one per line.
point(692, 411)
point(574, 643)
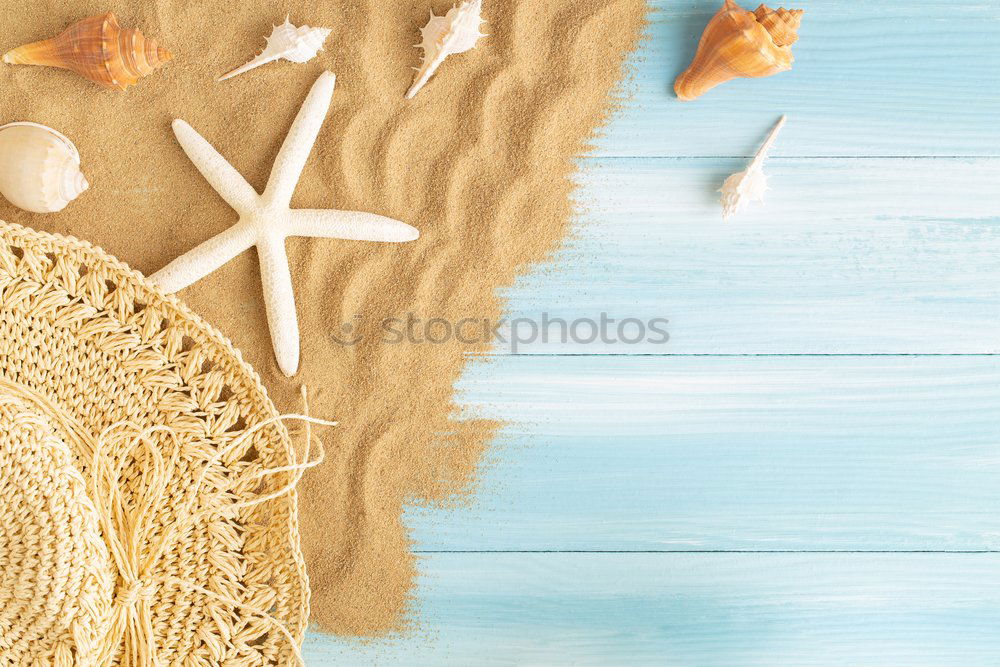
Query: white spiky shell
point(39, 168)
point(288, 42)
point(750, 184)
point(742, 188)
point(455, 32)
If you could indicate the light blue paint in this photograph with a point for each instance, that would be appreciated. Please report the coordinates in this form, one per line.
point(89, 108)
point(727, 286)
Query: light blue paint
point(847, 256)
point(870, 78)
point(614, 455)
point(695, 453)
point(697, 609)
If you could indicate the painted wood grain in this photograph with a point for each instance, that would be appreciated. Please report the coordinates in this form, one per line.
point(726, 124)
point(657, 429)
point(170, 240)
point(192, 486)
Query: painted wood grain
point(687, 609)
point(691, 454)
point(870, 79)
point(845, 256)
point(707, 453)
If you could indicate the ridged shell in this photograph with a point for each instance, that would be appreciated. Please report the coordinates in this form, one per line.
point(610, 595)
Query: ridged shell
point(443, 36)
point(39, 168)
point(296, 44)
point(96, 48)
point(740, 43)
point(782, 24)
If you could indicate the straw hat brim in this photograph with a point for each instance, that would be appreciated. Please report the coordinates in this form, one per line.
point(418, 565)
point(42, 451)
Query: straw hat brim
point(90, 339)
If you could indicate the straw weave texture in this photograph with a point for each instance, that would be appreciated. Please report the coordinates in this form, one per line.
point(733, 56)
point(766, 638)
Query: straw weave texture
point(93, 341)
point(56, 576)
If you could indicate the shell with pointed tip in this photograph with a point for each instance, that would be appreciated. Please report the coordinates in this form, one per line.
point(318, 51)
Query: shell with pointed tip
point(740, 43)
point(297, 45)
point(96, 48)
point(782, 24)
point(455, 32)
point(750, 184)
point(39, 168)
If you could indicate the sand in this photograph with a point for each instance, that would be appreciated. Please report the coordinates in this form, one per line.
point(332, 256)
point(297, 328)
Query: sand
point(480, 162)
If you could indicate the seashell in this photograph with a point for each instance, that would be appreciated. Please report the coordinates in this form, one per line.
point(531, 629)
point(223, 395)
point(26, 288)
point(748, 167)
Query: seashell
point(455, 32)
point(39, 168)
point(298, 45)
point(750, 184)
point(782, 24)
point(96, 48)
point(739, 43)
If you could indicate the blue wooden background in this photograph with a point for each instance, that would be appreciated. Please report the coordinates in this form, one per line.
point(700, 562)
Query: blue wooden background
point(809, 471)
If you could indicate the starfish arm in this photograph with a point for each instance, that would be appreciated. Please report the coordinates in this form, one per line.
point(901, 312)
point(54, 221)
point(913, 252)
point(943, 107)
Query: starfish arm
point(298, 144)
point(351, 225)
point(221, 175)
point(195, 264)
point(279, 300)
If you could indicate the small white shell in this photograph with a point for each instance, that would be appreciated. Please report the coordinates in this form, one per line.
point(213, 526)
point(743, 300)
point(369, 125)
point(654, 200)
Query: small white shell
point(297, 45)
point(742, 188)
point(750, 184)
point(39, 168)
point(455, 32)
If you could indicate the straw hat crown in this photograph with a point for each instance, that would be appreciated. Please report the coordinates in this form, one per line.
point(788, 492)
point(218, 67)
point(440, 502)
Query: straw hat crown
point(56, 576)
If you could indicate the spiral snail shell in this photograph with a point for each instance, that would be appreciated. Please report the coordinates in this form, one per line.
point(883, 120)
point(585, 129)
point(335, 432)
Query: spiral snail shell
point(740, 43)
point(39, 168)
point(96, 48)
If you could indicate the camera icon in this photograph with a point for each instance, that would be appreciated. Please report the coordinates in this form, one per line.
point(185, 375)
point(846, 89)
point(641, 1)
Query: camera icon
point(348, 334)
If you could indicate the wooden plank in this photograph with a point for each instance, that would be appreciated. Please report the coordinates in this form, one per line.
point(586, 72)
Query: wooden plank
point(707, 453)
point(848, 256)
point(687, 609)
point(870, 78)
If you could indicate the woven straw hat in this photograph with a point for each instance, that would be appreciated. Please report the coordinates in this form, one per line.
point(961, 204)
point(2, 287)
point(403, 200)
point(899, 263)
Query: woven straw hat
point(146, 480)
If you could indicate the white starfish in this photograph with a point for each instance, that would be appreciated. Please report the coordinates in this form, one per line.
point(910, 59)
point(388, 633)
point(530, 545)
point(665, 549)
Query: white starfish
point(266, 221)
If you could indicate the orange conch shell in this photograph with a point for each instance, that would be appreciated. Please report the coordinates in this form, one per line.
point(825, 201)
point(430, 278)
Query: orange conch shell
point(739, 43)
point(98, 49)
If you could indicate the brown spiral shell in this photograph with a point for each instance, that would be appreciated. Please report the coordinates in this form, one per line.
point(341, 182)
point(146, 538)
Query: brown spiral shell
point(96, 48)
point(740, 43)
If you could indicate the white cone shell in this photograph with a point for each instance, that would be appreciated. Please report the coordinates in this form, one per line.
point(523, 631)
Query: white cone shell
point(298, 45)
point(39, 168)
point(455, 32)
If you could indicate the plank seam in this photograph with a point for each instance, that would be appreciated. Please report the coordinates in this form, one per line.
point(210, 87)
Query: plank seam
point(735, 354)
point(778, 158)
point(706, 551)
